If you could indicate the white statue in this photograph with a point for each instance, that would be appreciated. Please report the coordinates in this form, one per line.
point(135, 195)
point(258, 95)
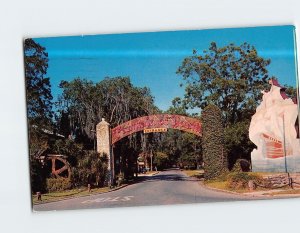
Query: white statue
point(272, 128)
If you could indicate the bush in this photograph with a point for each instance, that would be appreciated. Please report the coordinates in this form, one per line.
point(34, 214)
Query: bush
point(58, 184)
point(214, 154)
point(239, 180)
point(241, 165)
point(69, 148)
point(91, 169)
point(38, 175)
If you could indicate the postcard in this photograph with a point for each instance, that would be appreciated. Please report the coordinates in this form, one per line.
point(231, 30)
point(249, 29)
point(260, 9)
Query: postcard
point(162, 118)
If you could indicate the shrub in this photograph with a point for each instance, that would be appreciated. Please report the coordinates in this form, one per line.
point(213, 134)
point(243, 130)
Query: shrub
point(58, 184)
point(239, 180)
point(214, 155)
point(38, 175)
point(241, 165)
point(91, 169)
point(69, 148)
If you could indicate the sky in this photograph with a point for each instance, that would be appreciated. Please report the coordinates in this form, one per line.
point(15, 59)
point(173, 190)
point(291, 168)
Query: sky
point(151, 59)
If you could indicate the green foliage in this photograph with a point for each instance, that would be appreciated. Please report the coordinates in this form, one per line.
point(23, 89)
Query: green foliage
point(190, 150)
point(38, 92)
point(126, 153)
point(290, 91)
point(161, 160)
point(91, 169)
point(239, 180)
point(83, 103)
point(69, 148)
point(38, 175)
point(241, 165)
point(114, 99)
point(177, 107)
point(39, 108)
point(58, 184)
point(230, 77)
point(214, 155)
point(183, 149)
point(237, 142)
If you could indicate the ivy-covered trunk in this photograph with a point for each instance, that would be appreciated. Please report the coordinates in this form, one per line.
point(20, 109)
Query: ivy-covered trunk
point(214, 154)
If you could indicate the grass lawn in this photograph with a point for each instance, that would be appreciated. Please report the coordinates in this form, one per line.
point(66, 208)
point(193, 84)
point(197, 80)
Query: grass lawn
point(217, 184)
point(56, 196)
point(223, 184)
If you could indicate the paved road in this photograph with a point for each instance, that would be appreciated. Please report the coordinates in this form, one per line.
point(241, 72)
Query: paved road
point(167, 187)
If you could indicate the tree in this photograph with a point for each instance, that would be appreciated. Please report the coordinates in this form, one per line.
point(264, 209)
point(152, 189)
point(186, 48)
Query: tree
point(237, 143)
point(230, 77)
point(183, 148)
point(39, 108)
point(115, 99)
point(214, 155)
point(161, 160)
point(190, 153)
point(290, 91)
point(83, 103)
point(38, 92)
point(178, 107)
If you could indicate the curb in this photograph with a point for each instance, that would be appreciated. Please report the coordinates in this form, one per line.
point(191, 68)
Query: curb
point(251, 194)
point(222, 190)
point(150, 174)
point(155, 173)
point(274, 195)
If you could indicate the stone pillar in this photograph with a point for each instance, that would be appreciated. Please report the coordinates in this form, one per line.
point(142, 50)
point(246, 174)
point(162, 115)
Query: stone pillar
point(104, 146)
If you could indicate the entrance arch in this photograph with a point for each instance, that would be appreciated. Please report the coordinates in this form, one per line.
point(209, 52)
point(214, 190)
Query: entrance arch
point(107, 137)
point(188, 124)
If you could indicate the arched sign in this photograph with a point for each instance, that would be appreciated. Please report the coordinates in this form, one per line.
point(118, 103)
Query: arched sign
point(183, 123)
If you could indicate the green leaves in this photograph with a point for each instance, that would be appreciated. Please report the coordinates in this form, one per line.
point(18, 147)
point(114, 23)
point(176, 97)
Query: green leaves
point(229, 77)
point(214, 155)
point(38, 92)
point(114, 99)
point(161, 160)
point(232, 78)
point(91, 169)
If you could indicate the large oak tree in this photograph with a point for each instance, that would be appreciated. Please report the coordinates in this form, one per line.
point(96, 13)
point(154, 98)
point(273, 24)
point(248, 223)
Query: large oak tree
point(232, 78)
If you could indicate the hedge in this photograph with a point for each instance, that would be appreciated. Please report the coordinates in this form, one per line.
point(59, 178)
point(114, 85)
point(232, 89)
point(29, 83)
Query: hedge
point(58, 184)
point(214, 153)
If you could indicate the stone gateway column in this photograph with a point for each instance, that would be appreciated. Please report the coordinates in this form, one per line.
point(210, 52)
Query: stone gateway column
point(104, 147)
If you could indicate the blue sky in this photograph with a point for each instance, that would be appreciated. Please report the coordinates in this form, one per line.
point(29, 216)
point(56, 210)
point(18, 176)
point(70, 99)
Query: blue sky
point(151, 59)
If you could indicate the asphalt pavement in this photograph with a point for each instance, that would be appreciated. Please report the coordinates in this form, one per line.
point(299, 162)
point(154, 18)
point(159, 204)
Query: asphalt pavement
point(165, 188)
